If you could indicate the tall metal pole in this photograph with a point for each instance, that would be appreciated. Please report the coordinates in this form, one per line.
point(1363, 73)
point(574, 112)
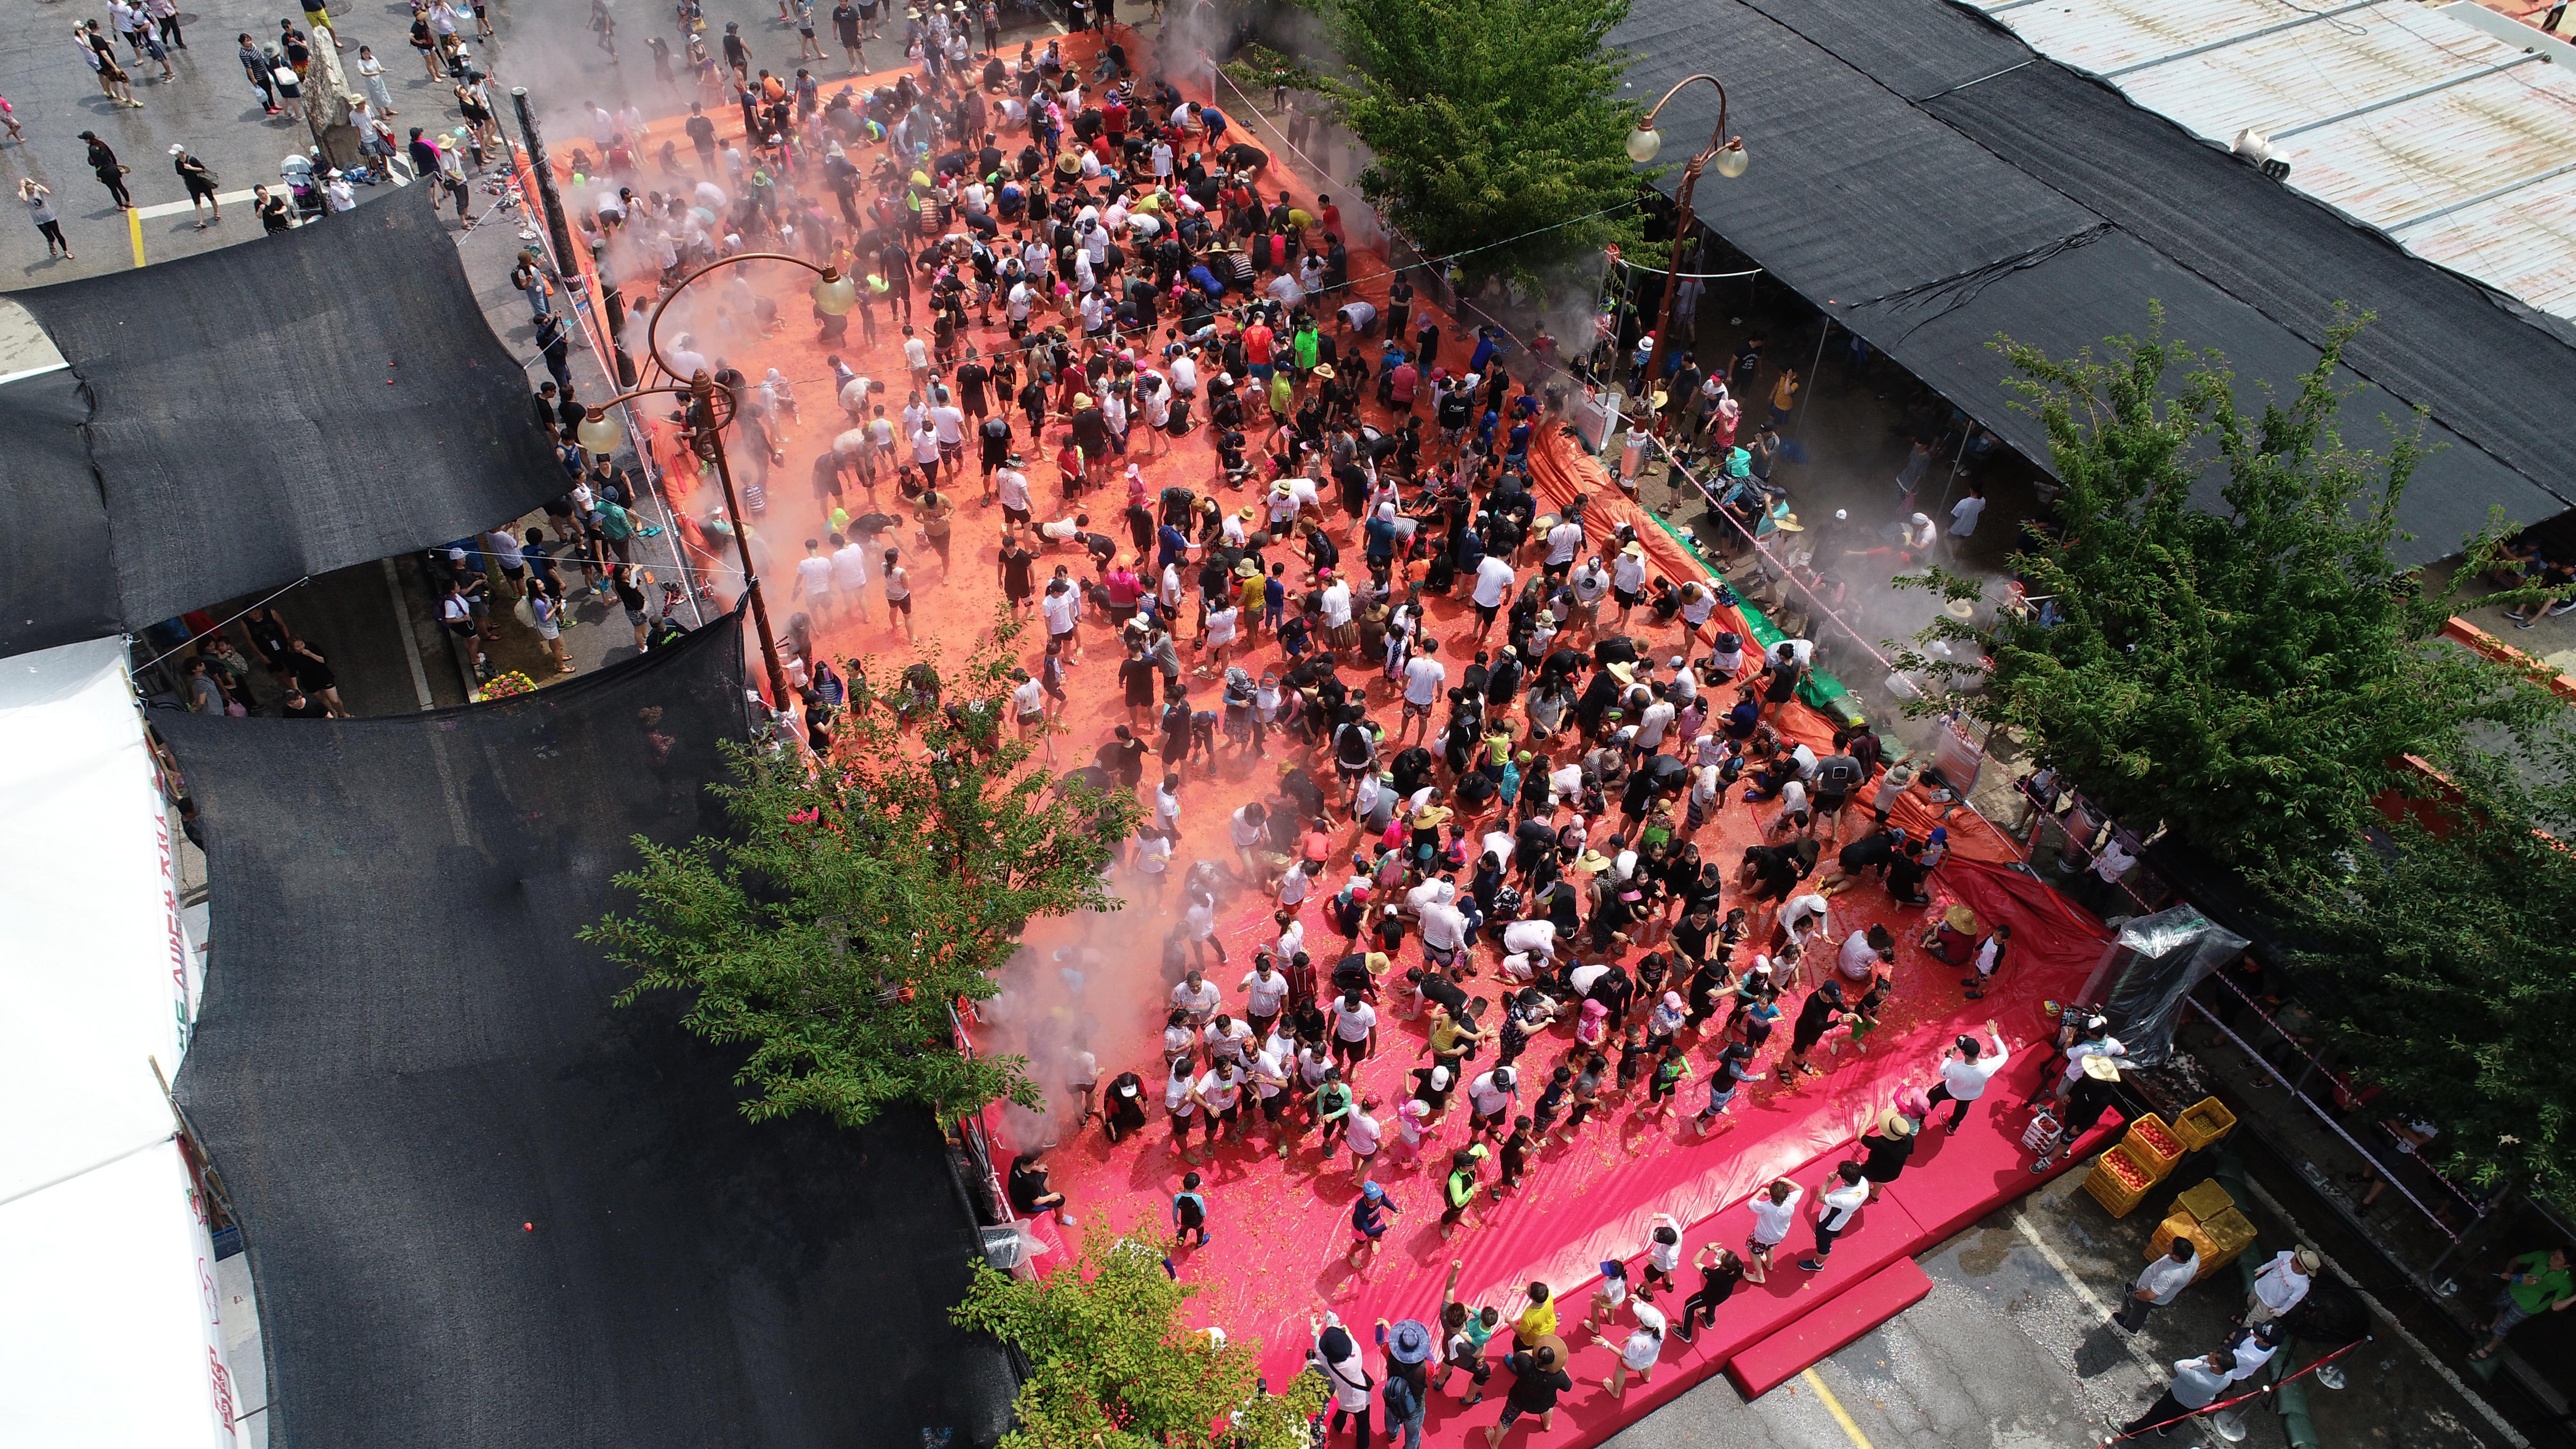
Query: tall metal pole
point(1660, 360)
point(778, 697)
point(556, 227)
point(1798, 425)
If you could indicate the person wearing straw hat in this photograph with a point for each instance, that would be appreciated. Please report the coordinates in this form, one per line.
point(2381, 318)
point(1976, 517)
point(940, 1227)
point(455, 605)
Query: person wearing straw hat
point(2282, 1284)
point(1886, 1147)
point(1538, 1376)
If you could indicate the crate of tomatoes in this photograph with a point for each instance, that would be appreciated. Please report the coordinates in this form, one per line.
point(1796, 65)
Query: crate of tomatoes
point(2118, 1181)
point(2153, 1144)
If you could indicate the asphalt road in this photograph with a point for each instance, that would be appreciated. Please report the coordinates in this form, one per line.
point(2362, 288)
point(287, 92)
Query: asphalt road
point(2013, 1351)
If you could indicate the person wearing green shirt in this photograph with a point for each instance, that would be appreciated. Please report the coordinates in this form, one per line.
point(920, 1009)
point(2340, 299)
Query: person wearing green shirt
point(2534, 1283)
point(1332, 1104)
point(1306, 343)
point(1283, 396)
point(1460, 1188)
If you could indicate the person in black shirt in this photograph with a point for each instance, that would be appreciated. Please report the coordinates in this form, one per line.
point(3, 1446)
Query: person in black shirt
point(1822, 1007)
point(1124, 757)
point(1537, 1378)
point(1719, 1272)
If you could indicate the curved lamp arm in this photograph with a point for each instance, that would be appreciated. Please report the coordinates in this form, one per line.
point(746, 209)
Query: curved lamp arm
point(835, 294)
point(1728, 151)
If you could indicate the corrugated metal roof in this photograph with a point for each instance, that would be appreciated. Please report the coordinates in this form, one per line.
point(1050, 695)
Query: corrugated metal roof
point(2454, 136)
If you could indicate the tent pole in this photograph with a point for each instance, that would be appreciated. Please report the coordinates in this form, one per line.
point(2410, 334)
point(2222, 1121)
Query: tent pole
point(1799, 427)
point(556, 228)
point(1967, 429)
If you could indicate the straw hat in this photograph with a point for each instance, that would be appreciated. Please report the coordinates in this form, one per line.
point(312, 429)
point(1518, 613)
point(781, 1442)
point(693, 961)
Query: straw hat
point(1081, 400)
point(1960, 609)
point(1247, 569)
point(1325, 371)
point(1789, 524)
point(1634, 549)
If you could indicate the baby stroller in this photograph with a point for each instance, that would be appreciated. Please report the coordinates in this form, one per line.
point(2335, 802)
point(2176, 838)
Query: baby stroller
point(302, 185)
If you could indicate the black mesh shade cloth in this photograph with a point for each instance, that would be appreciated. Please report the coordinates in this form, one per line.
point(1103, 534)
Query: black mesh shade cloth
point(236, 420)
point(483, 1206)
point(1931, 182)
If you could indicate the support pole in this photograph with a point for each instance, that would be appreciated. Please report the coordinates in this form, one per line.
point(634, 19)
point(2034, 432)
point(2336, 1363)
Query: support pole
point(779, 699)
point(557, 228)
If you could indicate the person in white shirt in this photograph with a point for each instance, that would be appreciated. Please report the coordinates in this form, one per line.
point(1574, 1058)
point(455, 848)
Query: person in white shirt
point(1362, 1130)
point(1220, 1092)
point(1638, 1355)
point(1270, 1080)
point(1842, 1196)
point(1654, 721)
point(1197, 996)
point(1181, 1104)
point(1802, 919)
point(814, 580)
point(1774, 1213)
point(1265, 990)
point(1227, 1040)
point(1061, 606)
point(2281, 1284)
point(1493, 589)
point(1534, 938)
point(1564, 541)
point(1628, 580)
point(1423, 677)
point(1964, 1074)
point(1293, 887)
point(2253, 1349)
point(1354, 1029)
point(850, 577)
point(2159, 1283)
point(1444, 933)
point(1963, 514)
point(1489, 1102)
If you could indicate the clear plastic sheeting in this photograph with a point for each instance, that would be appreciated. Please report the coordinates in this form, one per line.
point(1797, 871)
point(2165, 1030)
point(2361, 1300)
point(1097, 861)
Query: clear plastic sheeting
point(2151, 967)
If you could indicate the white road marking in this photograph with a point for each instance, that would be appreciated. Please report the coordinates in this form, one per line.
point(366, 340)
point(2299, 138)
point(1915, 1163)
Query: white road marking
point(2091, 1300)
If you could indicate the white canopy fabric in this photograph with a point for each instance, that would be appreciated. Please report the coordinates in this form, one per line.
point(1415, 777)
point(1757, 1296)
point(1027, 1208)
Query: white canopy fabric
point(111, 1333)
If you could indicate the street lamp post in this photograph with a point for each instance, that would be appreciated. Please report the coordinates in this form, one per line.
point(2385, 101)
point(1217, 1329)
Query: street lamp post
point(1728, 154)
point(598, 433)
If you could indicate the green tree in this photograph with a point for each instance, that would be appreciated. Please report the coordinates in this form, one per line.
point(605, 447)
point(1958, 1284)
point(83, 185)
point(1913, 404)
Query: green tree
point(832, 927)
point(2251, 675)
point(1112, 1368)
point(1491, 120)
point(2444, 968)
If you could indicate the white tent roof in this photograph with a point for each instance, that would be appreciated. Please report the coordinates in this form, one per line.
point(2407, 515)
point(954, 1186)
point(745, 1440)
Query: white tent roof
point(110, 1337)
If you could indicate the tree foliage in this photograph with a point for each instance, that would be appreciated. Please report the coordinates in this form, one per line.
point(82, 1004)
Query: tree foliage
point(2250, 675)
point(1112, 1368)
point(2255, 676)
point(832, 927)
point(2450, 967)
point(1492, 120)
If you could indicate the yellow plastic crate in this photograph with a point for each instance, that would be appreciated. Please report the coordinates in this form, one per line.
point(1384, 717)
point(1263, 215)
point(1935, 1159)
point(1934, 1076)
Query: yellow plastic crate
point(2205, 1201)
point(2203, 1123)
point(2104, 1182)
point(2141, 1144)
